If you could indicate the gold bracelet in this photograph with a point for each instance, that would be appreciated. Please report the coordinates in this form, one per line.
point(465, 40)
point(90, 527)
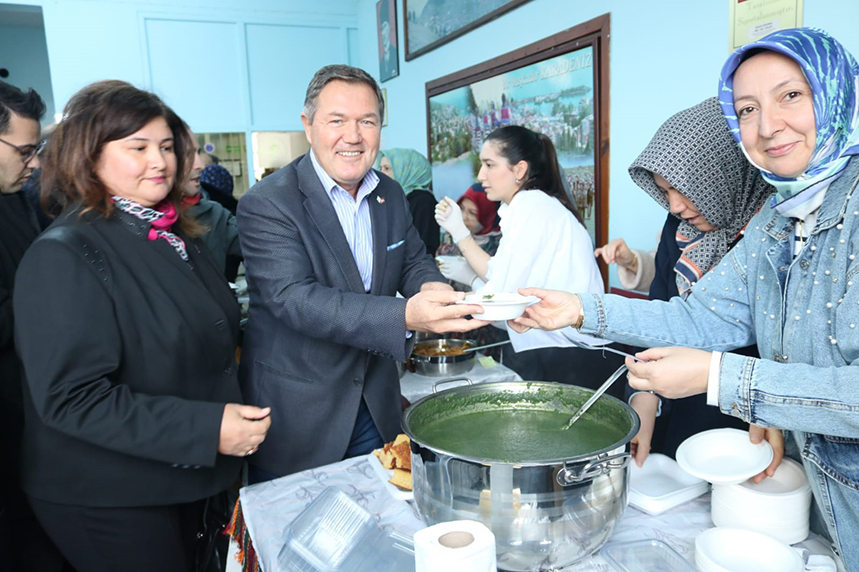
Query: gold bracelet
point(578, 324)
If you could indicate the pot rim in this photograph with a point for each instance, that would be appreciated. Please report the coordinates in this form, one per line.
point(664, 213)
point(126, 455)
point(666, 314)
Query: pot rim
point(636, 424)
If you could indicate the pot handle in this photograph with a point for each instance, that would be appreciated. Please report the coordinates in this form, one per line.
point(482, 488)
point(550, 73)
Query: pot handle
point(436, 384)
point(595, 468)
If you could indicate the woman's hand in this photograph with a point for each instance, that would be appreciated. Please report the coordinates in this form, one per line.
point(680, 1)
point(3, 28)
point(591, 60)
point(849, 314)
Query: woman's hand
point(671, 372)
point(617, 252)
point(555, 310)
point(448, 215)
point(646, 405)
point(776, 439)
point(243, 428)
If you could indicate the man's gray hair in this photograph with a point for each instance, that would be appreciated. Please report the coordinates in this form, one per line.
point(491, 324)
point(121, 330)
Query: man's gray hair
point(339, 72)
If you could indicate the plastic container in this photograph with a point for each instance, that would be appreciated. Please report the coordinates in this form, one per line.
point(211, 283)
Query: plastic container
point(645, 556)
point(661, 485)
point(334, 534)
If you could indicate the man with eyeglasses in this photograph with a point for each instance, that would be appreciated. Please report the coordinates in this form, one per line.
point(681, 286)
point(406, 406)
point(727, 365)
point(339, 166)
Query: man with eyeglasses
point(23, 544)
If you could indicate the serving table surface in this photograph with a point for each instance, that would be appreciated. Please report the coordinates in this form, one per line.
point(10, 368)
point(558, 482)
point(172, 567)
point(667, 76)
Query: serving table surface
point(267, 509)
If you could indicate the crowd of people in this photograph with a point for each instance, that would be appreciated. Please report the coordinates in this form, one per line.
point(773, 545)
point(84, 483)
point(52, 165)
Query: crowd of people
point(124, 411)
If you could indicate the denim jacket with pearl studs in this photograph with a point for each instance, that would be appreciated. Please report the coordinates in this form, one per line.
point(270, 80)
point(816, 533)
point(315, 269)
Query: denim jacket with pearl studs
point(802, 312)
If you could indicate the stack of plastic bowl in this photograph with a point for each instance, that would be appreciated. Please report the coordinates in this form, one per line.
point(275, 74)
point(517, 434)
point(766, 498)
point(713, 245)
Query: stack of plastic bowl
point(777, 506)
point(736, 550)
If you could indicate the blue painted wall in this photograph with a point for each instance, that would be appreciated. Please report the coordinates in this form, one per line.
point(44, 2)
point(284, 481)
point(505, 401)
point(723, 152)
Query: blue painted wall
point(665, 56)
point(24, 53)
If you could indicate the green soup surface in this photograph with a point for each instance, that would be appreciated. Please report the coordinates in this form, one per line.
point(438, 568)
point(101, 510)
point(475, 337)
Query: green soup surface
point(518, 435)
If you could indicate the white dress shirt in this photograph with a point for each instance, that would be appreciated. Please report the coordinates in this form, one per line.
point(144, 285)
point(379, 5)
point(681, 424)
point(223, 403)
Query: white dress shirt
point(543, 246)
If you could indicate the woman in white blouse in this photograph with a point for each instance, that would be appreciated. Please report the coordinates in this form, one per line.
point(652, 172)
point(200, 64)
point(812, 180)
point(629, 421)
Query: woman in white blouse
point(543, 241)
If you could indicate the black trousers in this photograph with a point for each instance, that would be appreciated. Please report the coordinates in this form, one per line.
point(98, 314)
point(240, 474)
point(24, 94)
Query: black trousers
point(572, 366)
point(137, 539)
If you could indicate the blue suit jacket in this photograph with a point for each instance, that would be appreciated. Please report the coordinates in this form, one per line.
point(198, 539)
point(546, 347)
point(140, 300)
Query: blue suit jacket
point(316, 341)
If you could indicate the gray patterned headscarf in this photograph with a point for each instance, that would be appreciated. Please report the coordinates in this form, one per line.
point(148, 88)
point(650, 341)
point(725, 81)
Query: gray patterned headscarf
point(695, 152)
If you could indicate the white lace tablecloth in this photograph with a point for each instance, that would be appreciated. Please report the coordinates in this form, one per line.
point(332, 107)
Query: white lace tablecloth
point(268, 508)
point(414, 386)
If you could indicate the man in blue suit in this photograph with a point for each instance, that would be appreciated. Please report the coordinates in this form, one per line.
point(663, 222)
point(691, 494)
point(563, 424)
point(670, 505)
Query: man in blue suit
point(328, 243)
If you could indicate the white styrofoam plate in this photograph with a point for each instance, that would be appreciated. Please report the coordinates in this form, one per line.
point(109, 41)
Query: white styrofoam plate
point(723, 456)
point(744, 551)
point(661, 485)
point(385, 475)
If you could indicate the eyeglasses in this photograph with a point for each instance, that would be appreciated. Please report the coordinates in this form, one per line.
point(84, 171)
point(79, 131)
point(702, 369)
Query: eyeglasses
point(28, 151)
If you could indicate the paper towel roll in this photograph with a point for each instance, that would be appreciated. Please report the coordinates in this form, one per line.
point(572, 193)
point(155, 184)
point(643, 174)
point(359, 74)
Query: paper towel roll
point(457, 546)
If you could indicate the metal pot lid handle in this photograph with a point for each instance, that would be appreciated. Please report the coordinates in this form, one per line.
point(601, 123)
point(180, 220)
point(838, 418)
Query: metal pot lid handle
point(595, 468)
point(436, 384)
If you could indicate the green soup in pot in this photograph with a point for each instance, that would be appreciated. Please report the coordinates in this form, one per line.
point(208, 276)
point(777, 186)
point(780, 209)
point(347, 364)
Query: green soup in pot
point(518, 435)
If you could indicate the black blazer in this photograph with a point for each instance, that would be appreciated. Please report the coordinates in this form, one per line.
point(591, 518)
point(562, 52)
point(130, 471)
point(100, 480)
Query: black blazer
point(129, 357)
point(315, 340)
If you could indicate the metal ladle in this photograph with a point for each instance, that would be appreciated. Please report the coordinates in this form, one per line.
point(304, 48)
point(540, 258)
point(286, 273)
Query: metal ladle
point(597, 394)
point(483, 347)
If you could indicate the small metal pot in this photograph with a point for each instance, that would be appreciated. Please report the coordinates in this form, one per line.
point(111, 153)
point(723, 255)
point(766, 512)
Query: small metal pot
point(443, 365)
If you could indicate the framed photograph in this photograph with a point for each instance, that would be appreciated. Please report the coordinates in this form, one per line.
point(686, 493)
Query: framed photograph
point(431, 23)
point(558, 86)
point(389, 56)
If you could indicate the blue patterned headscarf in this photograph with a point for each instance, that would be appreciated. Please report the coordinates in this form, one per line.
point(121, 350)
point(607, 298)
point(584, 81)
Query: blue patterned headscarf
point(832, 74)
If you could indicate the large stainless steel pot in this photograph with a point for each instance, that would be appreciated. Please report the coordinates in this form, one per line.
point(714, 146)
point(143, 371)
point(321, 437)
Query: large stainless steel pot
point(545, 513)
point(443, 365)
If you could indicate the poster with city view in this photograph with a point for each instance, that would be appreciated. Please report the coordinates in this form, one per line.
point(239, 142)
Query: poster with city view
point(553, 96)
point(431, 23)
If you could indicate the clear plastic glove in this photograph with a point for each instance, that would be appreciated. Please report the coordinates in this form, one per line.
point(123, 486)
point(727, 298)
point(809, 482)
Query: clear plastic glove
point(448, 215)
point(456, 268)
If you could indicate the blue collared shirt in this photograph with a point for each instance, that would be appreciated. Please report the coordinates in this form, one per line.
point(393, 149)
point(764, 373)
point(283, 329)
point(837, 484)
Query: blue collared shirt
point(354, 216)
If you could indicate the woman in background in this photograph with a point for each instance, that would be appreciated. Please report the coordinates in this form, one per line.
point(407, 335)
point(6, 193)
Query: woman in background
point(414, 174)
point(133, 410)
point(543, 241)
point(694, 169)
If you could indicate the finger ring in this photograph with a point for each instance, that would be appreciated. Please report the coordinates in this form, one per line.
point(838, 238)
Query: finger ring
point(250, 452)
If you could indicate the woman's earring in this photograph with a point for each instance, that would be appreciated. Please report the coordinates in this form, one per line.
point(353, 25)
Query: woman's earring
point(518, 181)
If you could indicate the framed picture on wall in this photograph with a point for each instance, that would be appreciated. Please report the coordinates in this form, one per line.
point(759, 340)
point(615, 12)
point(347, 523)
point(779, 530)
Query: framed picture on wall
point(431, 23)
point(558, 86)
point(389, 57)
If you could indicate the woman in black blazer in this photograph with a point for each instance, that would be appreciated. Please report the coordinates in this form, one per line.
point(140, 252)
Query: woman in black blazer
point(127, 333)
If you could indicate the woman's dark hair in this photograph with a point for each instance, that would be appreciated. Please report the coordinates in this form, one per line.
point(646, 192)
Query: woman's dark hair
point(102, 112)
point(516, 143)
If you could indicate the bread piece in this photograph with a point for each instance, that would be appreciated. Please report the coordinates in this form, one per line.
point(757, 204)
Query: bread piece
point(387, 458)
point(402, 438)
point(402, 479)
point(403, 453)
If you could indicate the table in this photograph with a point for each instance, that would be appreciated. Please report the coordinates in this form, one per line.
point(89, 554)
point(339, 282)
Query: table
point(266, 509)
point(414, 386)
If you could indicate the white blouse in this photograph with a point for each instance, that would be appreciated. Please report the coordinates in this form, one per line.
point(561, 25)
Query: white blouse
point(543, 246)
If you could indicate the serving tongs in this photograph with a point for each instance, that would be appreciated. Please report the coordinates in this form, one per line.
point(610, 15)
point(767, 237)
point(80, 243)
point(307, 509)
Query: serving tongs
point(597, 394)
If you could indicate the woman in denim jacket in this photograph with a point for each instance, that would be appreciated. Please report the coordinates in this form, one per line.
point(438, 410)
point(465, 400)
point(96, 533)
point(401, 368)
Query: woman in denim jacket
point(790, 286)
